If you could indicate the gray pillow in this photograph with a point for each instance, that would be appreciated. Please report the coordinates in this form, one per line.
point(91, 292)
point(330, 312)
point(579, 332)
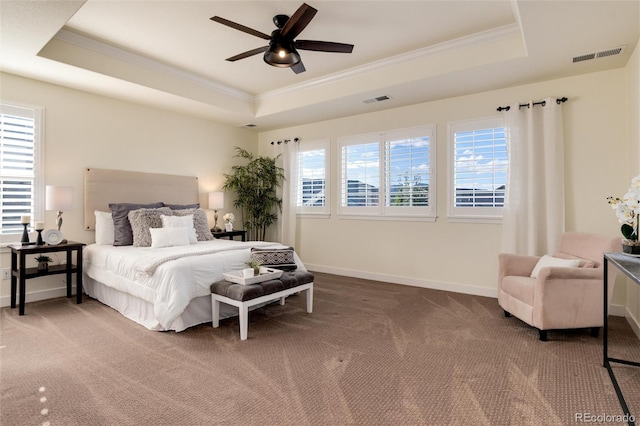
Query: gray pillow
point(182, 206)
point(143, 219)
point(123, 235)
point(200, 222)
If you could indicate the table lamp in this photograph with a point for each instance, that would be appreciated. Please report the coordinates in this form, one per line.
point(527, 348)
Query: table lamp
point(59, 198)
point(216, 201)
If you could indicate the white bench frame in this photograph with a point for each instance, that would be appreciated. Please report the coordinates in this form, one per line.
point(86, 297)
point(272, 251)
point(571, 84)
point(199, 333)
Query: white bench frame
point(243, 307)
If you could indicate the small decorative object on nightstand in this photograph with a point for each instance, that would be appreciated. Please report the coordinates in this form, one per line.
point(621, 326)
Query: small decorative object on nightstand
point(228, 221)
point(39, 229)
point(43, 262)
point(25, 234)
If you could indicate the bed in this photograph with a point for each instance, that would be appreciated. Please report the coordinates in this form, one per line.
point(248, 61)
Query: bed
point(162, 287)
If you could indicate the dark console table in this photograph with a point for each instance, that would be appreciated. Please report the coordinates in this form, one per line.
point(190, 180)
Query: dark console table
point(630, 266)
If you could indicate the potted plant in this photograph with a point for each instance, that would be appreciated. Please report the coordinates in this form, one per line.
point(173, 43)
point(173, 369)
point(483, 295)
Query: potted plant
point(43, 262)
point(255, 185)
point(255, 264)
point(628, 213)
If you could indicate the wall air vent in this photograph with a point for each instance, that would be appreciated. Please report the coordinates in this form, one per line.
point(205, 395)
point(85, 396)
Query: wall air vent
point(601, 54)
point(377, 99)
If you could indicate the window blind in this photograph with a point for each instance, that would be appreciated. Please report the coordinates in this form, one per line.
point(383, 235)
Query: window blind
point(17, 166)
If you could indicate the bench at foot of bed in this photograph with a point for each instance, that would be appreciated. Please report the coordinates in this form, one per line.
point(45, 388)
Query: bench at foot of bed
point(246, 296)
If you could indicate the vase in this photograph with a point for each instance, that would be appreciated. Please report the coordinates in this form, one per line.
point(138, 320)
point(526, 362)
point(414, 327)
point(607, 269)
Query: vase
point(631, 247)
point(43, 266)
point(228, 226)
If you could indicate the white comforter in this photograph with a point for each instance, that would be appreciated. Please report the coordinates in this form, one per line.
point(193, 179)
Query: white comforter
point(168, 277)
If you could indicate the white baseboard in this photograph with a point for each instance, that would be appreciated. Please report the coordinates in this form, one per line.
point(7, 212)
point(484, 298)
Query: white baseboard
point(615, 310)
point(415, 282)
point(34, 296)
point(633, 322)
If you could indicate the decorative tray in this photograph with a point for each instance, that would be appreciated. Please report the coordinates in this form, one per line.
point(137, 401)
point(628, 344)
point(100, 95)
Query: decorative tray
point(265, 274)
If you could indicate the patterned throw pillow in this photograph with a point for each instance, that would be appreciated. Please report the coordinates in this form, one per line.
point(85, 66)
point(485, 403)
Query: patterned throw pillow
point(143, 219)
point(281, 258)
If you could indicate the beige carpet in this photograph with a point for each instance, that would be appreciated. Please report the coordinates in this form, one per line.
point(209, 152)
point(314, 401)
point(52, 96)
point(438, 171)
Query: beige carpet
point(370, 354)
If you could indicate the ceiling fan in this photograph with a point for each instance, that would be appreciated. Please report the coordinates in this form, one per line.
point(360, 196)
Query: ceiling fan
point(282, 49)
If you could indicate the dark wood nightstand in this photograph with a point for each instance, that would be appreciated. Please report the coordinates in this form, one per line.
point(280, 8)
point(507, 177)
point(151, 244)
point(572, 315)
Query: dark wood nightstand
point(230, 234)
point(20, 273)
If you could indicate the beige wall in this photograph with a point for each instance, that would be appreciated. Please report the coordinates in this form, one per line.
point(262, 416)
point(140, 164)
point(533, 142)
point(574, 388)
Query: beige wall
point(462, 256)
point(86, 130)
point(633, 81)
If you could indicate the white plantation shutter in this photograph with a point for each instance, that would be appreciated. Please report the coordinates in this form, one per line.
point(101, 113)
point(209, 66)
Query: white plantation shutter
point(389, 174)
point(313, 177)
point(20, 166)
point(479, 165)
point(408, 172)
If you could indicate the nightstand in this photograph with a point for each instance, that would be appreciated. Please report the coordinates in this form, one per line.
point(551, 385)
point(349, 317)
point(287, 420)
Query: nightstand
point(230, 234)
point(20, 273)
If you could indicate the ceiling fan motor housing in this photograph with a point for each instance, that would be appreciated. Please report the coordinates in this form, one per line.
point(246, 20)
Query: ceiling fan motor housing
point(281, 52)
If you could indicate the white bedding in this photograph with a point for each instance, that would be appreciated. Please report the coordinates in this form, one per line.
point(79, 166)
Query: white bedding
point(168, 278)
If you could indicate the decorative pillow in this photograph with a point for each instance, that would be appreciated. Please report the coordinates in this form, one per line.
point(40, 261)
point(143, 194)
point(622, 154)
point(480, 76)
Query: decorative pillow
point(281, 258)
point(104, 228)
point(169, 237)
point(584, 263)
point(547, 261)
point(181, 222)
point(200, 222)
point(123, 235)
point(142, 220)
point(182, 206)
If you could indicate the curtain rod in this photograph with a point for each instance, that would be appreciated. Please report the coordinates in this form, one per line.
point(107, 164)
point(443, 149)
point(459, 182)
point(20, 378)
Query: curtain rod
point(543, 103)
point(284, 141)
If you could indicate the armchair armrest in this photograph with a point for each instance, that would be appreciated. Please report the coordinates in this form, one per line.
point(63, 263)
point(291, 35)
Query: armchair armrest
point(516, 264)
point(568, 298)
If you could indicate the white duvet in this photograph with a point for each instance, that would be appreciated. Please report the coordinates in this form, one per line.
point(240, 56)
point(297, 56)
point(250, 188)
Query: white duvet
point(168, 277)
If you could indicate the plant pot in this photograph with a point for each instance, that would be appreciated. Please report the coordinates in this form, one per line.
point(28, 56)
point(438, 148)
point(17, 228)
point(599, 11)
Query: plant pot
point(43, 266)
point(631, 247)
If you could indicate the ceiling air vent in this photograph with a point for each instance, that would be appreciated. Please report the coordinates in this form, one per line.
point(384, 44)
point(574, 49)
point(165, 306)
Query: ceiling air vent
point(601, 54)
point(377, 99)
point(249, 125)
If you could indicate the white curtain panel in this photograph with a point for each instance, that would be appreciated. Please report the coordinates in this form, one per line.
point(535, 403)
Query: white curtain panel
point(288, 160)
point(533, 218)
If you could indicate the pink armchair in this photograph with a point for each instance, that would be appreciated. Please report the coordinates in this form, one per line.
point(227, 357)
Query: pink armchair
point(560, 297)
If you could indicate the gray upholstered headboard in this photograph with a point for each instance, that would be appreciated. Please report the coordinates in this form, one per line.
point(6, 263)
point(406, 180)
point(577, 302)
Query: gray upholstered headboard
point(103, 186)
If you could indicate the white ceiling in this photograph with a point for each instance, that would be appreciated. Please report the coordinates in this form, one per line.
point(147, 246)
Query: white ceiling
point(170, 54)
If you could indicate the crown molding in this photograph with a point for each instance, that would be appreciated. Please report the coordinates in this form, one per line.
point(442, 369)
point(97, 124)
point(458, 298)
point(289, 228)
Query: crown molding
point(136, 59)
point(488, 36)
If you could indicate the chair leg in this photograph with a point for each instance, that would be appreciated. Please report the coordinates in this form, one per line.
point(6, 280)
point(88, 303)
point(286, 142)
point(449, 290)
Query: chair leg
point(507, 314)
point(543, 335)
point(595, 331)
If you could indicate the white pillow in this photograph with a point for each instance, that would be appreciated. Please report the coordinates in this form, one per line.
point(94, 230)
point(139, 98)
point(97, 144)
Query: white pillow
point(104, 228)
point(168, 237)
point(181, 222)
point(547, 261)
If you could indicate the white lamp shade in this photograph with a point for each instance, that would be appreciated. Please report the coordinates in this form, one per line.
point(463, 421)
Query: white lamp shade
point(216, 200)
point(59, 198)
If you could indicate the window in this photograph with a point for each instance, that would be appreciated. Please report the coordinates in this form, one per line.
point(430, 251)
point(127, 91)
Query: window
point(313, 177)
point(478, 174)
point(388, 174)
point(21, 167)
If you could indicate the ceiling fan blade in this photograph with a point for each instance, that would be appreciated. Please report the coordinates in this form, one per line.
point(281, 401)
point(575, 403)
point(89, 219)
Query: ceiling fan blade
point(298, 68)
point(248, 53)
point(323, 46)
point(239, 27)
point(298, 21)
